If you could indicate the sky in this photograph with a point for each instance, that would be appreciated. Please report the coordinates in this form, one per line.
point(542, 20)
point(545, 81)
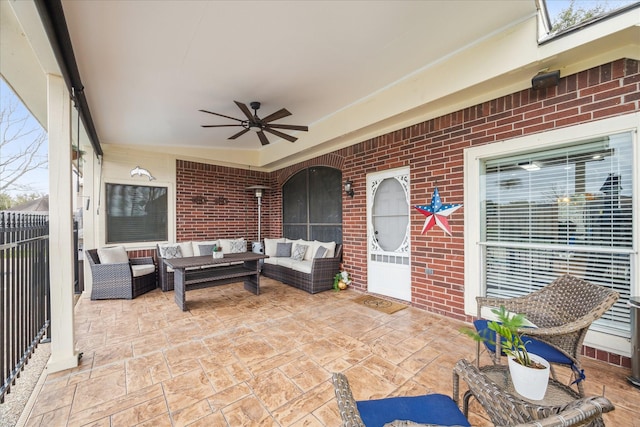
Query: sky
point(38, 180)
point(555, 6)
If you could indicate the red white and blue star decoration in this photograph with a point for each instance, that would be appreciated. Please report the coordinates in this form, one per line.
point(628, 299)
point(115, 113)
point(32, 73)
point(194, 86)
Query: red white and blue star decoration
point(437, 213)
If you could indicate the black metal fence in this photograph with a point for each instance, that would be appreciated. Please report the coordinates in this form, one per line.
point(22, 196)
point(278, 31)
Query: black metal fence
point(24, 291)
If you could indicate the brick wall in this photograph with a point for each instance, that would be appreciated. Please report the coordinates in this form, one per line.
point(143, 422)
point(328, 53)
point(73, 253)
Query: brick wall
point(212, 202)
point(433, 150)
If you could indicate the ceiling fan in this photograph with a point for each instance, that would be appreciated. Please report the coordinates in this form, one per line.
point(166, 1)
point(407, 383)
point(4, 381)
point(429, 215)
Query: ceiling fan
point(258, 125)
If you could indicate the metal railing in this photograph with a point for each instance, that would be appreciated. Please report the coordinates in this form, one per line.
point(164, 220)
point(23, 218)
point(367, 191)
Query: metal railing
point(24, 291)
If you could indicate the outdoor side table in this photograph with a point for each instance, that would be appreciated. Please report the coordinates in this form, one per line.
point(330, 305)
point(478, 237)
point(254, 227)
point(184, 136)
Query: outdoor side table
point(557, 394)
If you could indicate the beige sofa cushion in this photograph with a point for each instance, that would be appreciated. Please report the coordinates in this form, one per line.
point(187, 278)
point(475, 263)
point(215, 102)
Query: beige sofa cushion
point(301, 266)
point(271, 246)
point(142, 269)
point(186, 248)
point(113, 255)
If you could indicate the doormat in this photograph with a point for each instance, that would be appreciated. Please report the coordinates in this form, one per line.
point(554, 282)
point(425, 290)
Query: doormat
point(379, 304)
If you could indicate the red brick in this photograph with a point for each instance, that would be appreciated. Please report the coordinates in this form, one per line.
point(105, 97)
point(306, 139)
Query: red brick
point(433, 150)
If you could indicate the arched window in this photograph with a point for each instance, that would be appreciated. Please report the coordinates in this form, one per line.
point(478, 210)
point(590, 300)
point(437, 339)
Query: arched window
point(312, 205)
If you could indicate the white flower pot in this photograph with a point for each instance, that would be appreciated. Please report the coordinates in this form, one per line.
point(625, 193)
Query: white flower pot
point(218, 255)
point(531, 383)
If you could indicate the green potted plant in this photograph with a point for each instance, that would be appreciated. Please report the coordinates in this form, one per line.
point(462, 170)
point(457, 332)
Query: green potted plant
point(341, 280)
point(217, 252)
point(529, 372)
point(75, 152)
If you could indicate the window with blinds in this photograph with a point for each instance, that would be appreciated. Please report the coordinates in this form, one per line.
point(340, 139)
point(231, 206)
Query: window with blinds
point(565, 210)
point(136, 213)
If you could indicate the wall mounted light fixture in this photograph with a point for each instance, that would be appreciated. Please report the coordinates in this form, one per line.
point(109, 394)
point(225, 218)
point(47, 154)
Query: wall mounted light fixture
point(348, 188)
point(545, 79)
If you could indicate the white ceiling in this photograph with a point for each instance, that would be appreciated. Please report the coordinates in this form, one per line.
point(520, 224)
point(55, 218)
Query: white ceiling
point(149, 66)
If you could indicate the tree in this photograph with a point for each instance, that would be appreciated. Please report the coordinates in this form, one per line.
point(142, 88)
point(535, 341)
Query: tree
point(21, 143)
point(7, 201)
point(575, 14)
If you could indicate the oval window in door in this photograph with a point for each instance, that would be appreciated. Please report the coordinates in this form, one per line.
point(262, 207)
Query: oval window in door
point(390, 214)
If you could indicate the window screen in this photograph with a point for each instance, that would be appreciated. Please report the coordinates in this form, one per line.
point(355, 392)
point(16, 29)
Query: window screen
point(560, 211)
point(136, 213)
point(312, 205)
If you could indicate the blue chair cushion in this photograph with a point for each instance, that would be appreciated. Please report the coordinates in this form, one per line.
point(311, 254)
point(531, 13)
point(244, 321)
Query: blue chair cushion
point(427, 409)
point(551, 354)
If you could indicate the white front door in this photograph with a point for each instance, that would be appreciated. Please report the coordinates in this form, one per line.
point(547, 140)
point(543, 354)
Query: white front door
point(388, 227)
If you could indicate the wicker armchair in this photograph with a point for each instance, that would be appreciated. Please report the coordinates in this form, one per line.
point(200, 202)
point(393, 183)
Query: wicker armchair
point(121, 279)
point(439, 410)
point(562, 312)
point(431, 409)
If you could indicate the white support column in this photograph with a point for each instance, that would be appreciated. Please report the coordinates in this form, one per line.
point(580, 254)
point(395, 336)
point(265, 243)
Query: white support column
point(63, 353)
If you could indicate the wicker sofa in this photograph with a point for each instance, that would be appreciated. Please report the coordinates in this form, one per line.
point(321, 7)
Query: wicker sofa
point(189, 249)
point(313, 273)
point(115, 275)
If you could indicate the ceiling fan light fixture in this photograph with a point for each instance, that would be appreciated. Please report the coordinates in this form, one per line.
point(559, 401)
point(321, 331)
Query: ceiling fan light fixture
point(529, 166)
point(260, 126)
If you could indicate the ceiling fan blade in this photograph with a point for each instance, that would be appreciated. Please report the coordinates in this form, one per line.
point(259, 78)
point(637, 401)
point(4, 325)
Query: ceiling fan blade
point(290, 127)
point(245, 110)
point(280, 134)
point(263, 138)
point(277, 115)
point(219, 126)
point(221, 115)
point(242, 132)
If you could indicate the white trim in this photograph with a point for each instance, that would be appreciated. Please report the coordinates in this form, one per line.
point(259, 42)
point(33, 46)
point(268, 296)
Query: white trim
point(473, 182)
point(609, 343)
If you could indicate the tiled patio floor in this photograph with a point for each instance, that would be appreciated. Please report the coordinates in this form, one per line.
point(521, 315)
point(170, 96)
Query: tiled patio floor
point(236, 359)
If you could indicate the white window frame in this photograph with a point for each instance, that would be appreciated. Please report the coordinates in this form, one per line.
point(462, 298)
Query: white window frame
point(171, 213)
point(473, 181)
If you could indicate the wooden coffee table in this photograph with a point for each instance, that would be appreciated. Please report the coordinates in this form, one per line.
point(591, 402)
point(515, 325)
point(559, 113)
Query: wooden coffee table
point(188, 273)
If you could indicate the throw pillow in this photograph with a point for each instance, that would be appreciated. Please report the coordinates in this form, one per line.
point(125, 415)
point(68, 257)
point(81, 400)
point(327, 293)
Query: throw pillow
point(329, 246)
point(283, 250)
point(206, 249)
point(320, 252)
point(113, 255)
point(170, 251)
point(298, 252)
point(238, 246)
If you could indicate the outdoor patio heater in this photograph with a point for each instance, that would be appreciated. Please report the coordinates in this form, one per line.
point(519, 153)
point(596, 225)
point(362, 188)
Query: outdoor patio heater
point(258, 190)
